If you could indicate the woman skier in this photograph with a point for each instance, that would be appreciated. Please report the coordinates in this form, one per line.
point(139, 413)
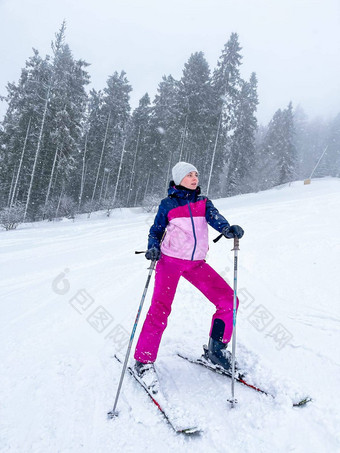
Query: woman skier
point(178, 240)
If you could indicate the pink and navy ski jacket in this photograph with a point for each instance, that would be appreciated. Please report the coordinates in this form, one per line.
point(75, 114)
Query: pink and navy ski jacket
point(184, 217)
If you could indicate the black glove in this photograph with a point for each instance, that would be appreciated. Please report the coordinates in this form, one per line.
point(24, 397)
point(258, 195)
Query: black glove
point(233, 231)
point(153, 254)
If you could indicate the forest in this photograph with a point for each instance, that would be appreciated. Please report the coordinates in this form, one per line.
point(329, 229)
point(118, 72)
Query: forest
point(66, 149)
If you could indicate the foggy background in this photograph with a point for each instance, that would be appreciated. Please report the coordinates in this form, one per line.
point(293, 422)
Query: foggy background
point(292, 46)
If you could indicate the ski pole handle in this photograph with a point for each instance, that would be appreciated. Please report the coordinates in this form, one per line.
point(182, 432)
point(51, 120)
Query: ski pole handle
point(142, 251)
point(236, 244)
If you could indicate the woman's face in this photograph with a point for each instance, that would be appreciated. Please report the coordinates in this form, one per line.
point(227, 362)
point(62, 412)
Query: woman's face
point(190, 181)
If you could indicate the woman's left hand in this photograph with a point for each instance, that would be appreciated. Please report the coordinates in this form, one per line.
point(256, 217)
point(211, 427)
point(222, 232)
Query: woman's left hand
point(234, 231)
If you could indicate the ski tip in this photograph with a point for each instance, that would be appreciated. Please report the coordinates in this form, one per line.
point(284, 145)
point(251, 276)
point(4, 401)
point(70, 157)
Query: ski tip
point(117, 358)
point(189, 431)
point(112, 414)
point(302, 402)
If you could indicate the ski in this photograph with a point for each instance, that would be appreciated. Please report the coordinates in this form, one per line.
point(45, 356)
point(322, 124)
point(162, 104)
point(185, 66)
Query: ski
point(162, 404)
point(239, 378)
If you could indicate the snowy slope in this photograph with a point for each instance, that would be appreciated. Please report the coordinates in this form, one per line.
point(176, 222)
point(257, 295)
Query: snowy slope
point(69, 295)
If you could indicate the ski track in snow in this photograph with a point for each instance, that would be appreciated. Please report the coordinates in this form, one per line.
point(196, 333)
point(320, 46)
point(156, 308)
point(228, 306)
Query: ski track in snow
point(58, 374)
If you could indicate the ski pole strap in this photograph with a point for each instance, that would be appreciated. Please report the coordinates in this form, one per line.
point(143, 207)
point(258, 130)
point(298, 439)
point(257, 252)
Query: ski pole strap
point(218, 238)
point(236, 242)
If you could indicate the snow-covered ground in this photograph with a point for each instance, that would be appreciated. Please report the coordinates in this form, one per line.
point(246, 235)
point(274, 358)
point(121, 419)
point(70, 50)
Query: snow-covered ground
point(69, 293)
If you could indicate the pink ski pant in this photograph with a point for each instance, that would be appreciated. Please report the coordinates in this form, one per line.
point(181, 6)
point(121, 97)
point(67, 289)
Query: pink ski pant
point(202, 276)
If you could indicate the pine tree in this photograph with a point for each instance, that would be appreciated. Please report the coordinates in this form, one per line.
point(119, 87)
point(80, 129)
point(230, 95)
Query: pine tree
point(92, 147)
point(167, 138)
point(330, 164)
point(242, 150)
point(108, 118)
point(267, 168)
point(277, 159)
point(137, 161)
point(23, 128)
point(65, 118)
point(41, 129)
point(116, 104)
point(226, 84)
point(197, 115)
point(310, 141)
point(301, 142)
point(286, 156)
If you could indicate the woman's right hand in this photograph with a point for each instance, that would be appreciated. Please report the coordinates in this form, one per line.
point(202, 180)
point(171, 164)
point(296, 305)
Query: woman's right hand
point(153, 254)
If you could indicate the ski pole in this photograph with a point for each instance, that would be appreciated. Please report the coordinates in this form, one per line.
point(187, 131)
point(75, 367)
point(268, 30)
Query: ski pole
point(114, 412)
point(236, 248)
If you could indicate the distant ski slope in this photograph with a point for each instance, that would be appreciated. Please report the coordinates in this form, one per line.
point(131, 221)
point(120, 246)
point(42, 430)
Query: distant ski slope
point(69, 294)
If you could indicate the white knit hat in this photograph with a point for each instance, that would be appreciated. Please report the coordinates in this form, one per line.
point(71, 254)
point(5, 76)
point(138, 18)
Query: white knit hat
point(180, 170)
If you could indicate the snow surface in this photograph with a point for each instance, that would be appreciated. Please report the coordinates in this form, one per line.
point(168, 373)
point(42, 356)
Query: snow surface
point(69, 296)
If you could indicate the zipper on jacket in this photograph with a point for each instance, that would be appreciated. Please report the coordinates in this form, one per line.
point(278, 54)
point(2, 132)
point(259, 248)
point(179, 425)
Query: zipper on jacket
point(193, 230)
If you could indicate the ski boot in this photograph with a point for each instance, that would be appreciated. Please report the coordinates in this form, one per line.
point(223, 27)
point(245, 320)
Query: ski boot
point(147, 373)
point(216, 353)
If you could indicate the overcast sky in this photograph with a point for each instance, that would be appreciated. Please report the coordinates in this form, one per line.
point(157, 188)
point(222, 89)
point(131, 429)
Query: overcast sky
point(292, 45)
